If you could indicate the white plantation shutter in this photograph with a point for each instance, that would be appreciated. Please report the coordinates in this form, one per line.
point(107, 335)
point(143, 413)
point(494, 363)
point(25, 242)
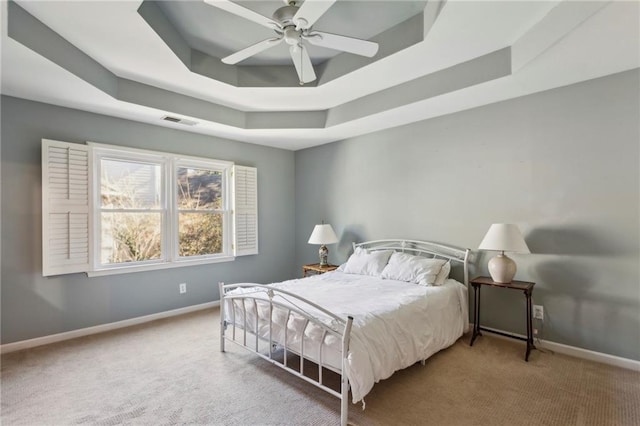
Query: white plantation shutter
point(65, 208)
point(245, 210)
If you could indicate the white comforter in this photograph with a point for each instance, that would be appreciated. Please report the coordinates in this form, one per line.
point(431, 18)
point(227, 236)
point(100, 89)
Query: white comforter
point(395, 323)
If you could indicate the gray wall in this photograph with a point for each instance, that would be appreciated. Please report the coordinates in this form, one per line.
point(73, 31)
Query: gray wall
point(563, 164)
point(34, 306)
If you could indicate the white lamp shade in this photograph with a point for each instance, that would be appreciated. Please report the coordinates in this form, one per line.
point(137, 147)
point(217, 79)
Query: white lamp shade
point(323, 234)
point(504, 237)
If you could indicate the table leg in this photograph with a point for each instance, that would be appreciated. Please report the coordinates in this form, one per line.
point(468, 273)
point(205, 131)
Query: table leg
point(476, 314)
point(529, 326)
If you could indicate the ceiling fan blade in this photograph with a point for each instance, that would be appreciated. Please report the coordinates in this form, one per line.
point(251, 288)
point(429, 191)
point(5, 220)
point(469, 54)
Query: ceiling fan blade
point(343, 43)
point(310, 12)
point(303, 64)
point(243, 12)
point(251, 50)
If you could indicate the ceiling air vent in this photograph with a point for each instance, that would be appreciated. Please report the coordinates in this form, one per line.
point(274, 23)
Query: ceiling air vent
point(179, 120)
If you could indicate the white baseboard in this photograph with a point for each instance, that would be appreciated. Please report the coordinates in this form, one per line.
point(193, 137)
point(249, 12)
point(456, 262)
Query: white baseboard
point(616, 361)
point(603, 358)
point(53, 338)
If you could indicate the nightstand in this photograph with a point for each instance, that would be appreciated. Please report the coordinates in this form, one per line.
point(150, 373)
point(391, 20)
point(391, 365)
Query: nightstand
point(316, 269)
point(524, 286)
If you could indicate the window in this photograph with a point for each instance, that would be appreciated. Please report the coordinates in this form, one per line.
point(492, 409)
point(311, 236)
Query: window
point(148, 210)
point(201, 210)
point(132, 210)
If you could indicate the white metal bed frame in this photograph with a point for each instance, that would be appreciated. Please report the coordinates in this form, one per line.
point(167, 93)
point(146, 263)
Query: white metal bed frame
point(291, 303)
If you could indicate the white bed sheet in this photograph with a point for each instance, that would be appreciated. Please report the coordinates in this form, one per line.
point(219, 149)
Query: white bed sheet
point(395, 323)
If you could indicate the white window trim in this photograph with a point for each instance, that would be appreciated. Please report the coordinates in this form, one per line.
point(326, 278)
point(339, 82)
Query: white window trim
point(171, 259)
point(234, 192)
point(227, 231)
point(158, 266)
point(109, 153)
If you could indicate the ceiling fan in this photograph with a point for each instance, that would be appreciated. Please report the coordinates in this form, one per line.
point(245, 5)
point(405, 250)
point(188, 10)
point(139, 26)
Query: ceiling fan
point(292, 24)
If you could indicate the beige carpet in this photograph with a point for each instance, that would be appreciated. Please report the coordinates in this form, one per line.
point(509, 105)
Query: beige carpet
point(171, 372)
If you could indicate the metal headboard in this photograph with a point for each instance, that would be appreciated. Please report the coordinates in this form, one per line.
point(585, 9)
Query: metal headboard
point(423, 248)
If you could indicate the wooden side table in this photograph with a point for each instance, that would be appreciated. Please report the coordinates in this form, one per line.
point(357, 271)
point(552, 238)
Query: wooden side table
point(525, 286)
point(316, 269)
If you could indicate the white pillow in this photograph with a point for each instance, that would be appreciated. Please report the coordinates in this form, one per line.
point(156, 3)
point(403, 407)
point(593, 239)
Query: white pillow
point(363, 262)
point(443, 274)
point(412, 269)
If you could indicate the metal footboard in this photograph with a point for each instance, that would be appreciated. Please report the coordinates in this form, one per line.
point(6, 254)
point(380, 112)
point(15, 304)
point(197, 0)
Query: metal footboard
point(262, 300)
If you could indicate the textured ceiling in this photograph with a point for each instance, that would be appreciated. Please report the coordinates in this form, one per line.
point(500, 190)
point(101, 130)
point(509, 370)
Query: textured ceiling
point(105, 57)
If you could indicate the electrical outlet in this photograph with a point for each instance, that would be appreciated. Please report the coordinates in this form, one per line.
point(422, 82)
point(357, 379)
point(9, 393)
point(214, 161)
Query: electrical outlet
point(182, 287)
point(538, 312)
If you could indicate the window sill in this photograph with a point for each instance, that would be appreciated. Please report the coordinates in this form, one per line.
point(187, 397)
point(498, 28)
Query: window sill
point(157, 266)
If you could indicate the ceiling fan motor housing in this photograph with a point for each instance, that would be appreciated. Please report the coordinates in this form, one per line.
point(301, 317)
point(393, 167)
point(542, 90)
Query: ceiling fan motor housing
point(285, 15)
point(292, 36)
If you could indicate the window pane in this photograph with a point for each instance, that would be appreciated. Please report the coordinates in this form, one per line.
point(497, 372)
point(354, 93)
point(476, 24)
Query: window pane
point(199, 234)
point(199, 189)
point(130, 237)
point(130, 185)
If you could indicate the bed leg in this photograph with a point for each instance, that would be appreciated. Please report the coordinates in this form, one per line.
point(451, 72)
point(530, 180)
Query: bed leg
point(344, 402)
point(344, 397)
point(222, 325)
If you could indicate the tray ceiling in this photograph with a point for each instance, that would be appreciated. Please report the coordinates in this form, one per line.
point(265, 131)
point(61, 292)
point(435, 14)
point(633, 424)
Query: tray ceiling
point(105, 57)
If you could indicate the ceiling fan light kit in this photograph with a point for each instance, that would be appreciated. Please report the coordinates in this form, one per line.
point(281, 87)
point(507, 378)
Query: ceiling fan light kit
point(293, 25)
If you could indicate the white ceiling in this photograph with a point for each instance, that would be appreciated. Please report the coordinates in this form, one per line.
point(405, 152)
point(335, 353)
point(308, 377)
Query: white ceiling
point(553, 43)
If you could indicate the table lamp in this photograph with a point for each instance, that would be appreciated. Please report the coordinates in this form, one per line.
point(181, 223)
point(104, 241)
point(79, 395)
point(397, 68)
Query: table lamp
point(323, 234)
point(503, 237)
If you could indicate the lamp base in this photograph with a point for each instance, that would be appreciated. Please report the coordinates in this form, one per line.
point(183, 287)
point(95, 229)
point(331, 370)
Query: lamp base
point(323, 253)
point(502, 269)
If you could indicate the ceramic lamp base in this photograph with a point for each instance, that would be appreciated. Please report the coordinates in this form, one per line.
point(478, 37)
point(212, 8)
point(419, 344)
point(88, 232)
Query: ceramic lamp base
point(323, 253)
point(502, 269)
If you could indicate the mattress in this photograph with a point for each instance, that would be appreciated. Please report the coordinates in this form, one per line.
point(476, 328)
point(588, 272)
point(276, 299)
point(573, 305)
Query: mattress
point(395, 323)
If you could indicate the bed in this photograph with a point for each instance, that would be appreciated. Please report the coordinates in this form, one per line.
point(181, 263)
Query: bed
point(391, 305)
